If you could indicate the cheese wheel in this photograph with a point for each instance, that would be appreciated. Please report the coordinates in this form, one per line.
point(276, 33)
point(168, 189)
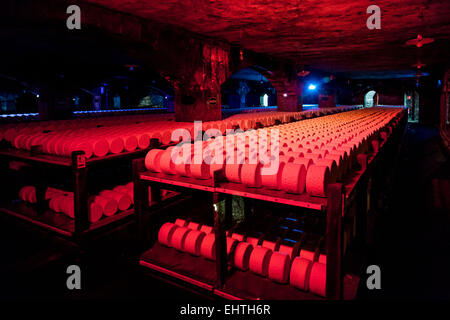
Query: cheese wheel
point(166, 164)
point(180, 222)
point(293, 178)
point(332, 167)
point(304, 161)
point(109, 205)
point(115, 145)
point(123, 199)
point(143, 141)
point(269, 245)
point(317, 180)
point(67, 206)
point(193, 242)
point(273, 181)
point(206, 229)
point(259, 260)
point(279, 266)
point(286, 249)
point(233, 172)
point(306, 254)
point(251, 175)
point(318, 279)
point(130, 143)
point(323, 258)
point(299, 275)
point(242, 255)
point(95, 212)
point(208, 247)
point(200, 170)
point(253, 241)
point(179, 238)
point(237, 236)
point(165, 233)
point(152, 160)
point(100, 147)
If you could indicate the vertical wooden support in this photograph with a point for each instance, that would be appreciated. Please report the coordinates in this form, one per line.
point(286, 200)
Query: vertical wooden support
point(140, 195)
point(80, 201)
point(334, 241)
point(221, 243)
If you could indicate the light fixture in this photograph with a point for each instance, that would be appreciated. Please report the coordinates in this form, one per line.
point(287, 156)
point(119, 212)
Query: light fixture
point(285, 95)
point(312, 87)
point(419, 41)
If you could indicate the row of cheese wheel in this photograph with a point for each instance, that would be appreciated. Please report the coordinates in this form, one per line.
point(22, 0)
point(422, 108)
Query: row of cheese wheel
point(308, 160)
point(106, 203)
point(98, 137)
point(303, 272)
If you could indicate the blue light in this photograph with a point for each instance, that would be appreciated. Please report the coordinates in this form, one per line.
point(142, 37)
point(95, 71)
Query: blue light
point(312, 87)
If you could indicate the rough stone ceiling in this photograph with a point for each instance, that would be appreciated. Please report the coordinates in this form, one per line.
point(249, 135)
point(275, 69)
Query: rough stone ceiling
point(329, 35)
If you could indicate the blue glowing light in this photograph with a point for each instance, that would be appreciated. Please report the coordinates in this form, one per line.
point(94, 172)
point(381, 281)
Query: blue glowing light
point(312, 87)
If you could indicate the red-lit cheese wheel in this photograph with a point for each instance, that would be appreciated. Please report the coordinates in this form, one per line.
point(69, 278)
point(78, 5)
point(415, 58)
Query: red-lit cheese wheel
point(95, 212)
point(152, 160)
point(180, 222)
point(109, 205)
point(130, 143)
point(251, 175)
point(253, 241)
point(200, 170)
point(272, 181)
point(179, 238)
point(323, 258)
point(123, 200)
point(242, 255)
point(293, 178)
point(237, 236)
point(193, 242)
point(67, 206)
point(206, 229)
point(286, 249)
point(208, 247)
point(165, 233)
point(259, 260)
point(300, 271)
point(317, 180)
point(304, 161)
point(269, 245)
point(318, 279)
point(143, 141)
point(165, 162)
point(115, 145)
point(279, 266)
point(100, 147)
point(306, 254)
point(233, 172)
point(332, 167)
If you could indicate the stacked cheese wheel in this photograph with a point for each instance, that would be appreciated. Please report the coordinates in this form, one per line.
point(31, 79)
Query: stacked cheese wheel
point(112, 135)
point(297, 157)
point(306, 271)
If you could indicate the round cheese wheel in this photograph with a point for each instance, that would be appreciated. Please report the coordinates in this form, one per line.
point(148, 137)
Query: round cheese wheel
point(179, 238)
point(152, 160)
point(109, 205)
point(193, 242)
point(299, 275)
point(259, 260)
point(208, 247)
point(273, 181)
point(100, 147)
point(95, 212)
point(165, 233)
point(206, 229)
point(318, 279)
point(123, 200)
point(242, 255)
point(317, 180)
point(233, 172)
point(293, 178)
point(286, 249)
point(279, 266)
point(251, 175)
point(166, 164)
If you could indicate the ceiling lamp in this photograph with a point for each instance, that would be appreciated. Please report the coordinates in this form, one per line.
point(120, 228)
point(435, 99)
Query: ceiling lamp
point(303, 73)
point(419, 65)
point(419, 41)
